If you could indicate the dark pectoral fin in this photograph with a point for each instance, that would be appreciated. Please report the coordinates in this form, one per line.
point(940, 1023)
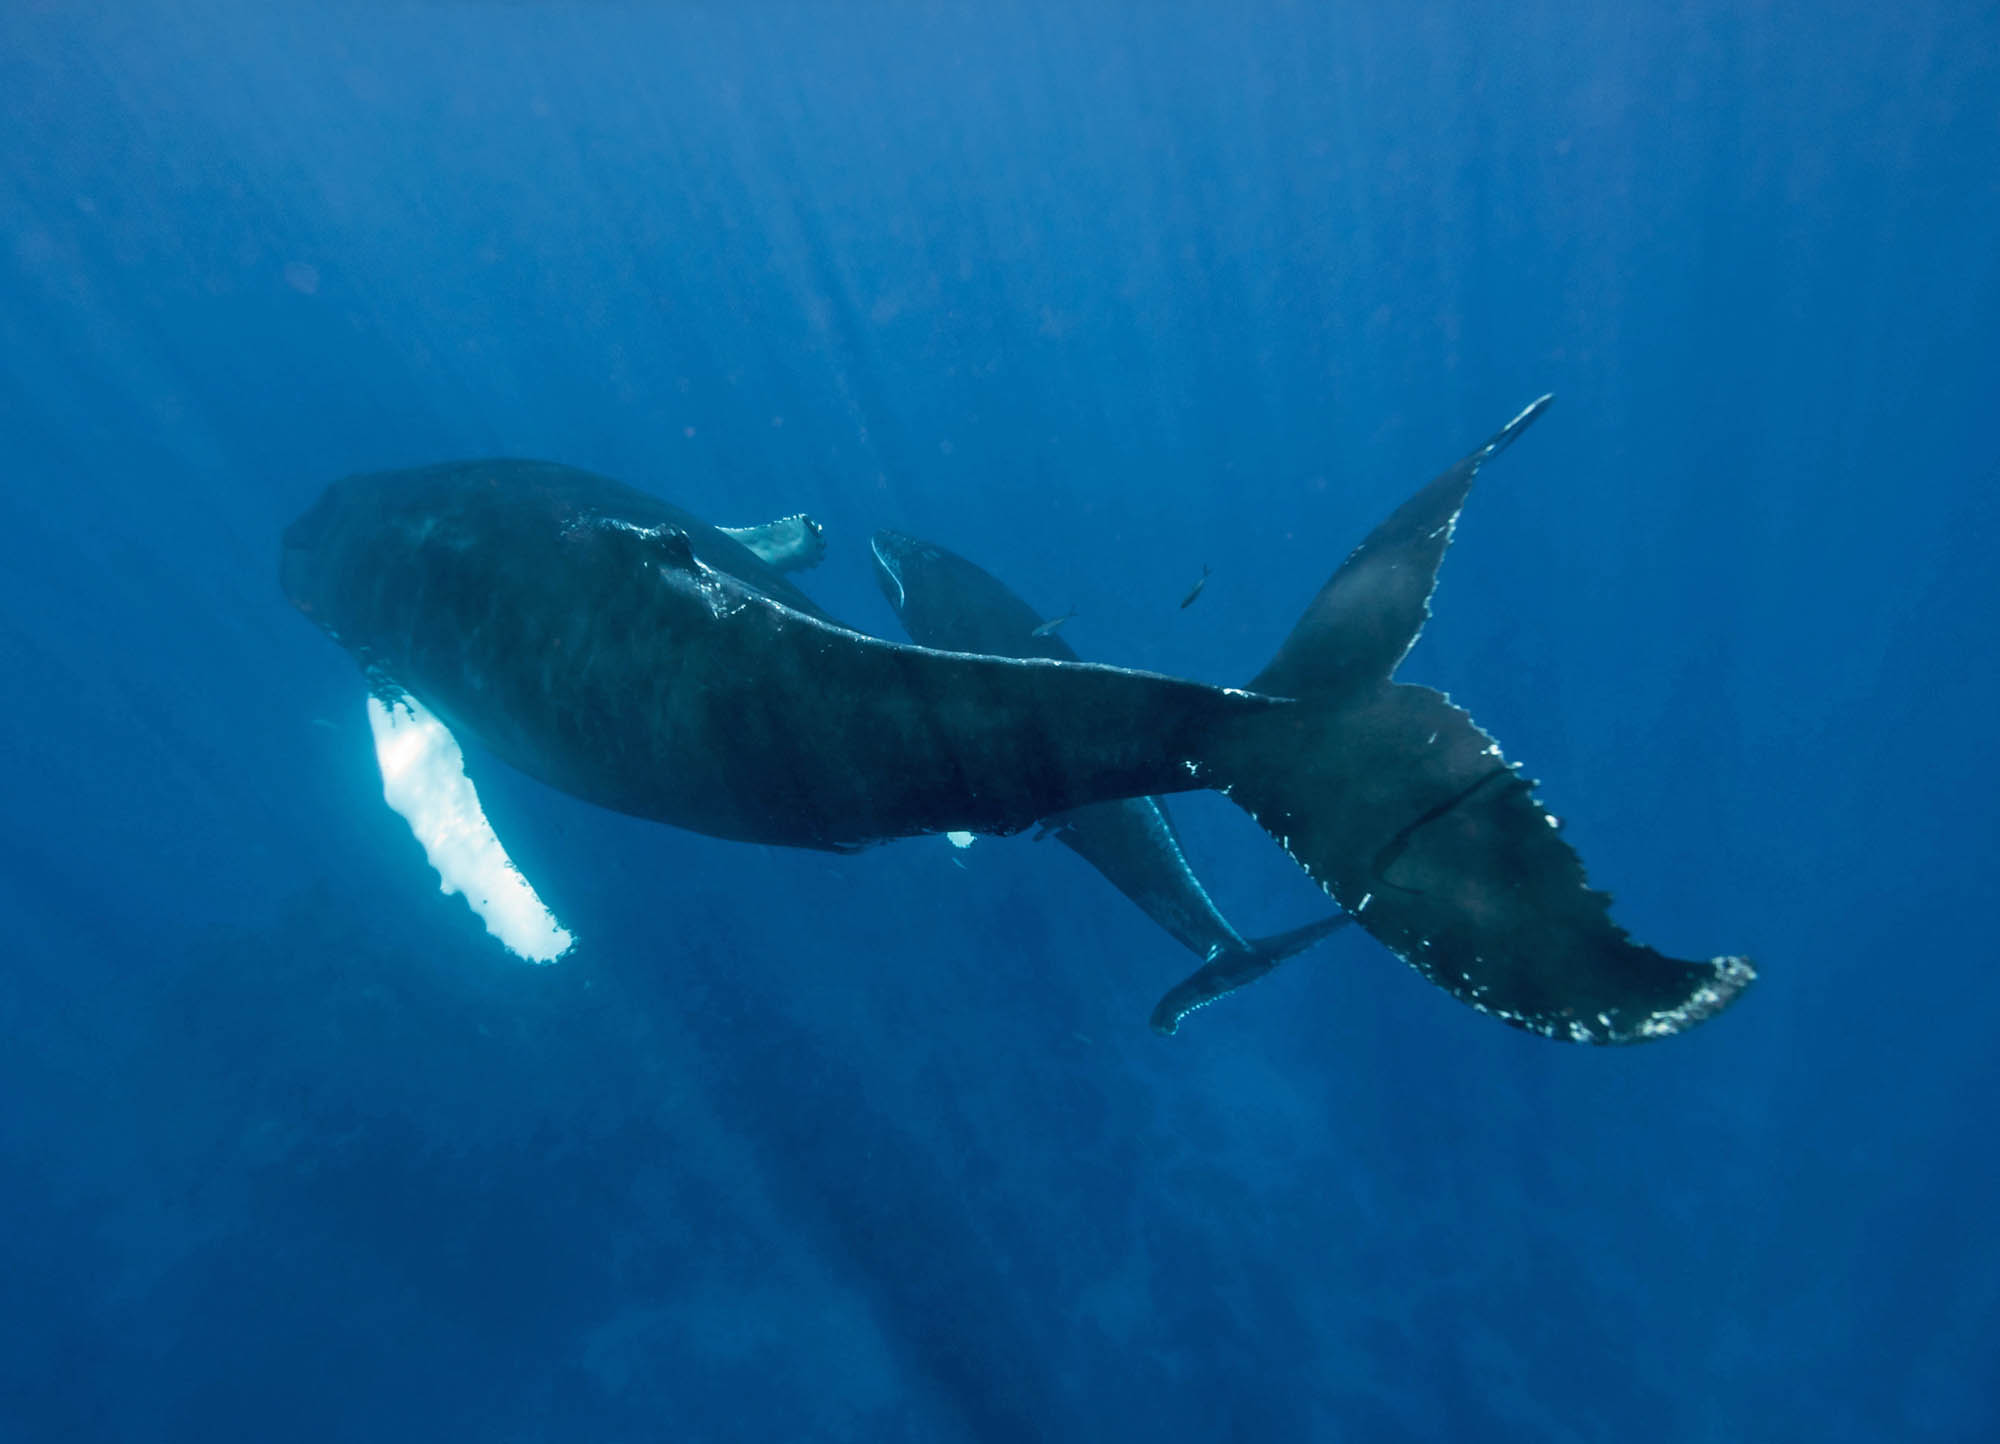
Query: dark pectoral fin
point(1228, 969)
point(1222, 974)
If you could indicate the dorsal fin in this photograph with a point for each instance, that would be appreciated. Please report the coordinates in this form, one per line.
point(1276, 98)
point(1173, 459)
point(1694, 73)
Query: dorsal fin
point(654, 545)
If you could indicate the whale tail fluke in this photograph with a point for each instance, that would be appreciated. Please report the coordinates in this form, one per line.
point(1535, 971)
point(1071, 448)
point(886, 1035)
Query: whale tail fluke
point(1228, 969)
point(1404, 811)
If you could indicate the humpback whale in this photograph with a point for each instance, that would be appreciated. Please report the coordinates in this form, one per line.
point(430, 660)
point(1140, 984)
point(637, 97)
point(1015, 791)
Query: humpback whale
point(615, 647)
point(947, 602)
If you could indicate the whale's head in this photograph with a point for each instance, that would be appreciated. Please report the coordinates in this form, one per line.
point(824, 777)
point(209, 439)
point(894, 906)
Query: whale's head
point(303, 552)
point(946, 602)
point(338, 560)
point(896, 555)
point(309, 556)
point(922, 583)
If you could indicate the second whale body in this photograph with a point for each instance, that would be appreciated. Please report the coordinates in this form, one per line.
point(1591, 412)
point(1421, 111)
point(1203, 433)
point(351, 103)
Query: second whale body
point(947, 602)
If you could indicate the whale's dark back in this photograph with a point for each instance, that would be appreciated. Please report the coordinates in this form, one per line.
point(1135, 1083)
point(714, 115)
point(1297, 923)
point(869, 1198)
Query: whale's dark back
point(351, 514)
point(577, 629)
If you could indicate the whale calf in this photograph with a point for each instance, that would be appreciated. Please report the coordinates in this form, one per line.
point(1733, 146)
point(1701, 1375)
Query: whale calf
point(614, 646)
point(952, 604)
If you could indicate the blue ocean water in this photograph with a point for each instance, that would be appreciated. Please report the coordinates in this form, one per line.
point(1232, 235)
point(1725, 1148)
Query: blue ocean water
point(879, 1147)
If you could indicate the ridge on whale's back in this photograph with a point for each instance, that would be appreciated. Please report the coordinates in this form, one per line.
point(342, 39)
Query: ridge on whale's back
point(538, 495)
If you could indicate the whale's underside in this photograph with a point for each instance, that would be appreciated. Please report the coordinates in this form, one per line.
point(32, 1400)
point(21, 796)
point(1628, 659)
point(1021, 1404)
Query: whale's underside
point(619, 649)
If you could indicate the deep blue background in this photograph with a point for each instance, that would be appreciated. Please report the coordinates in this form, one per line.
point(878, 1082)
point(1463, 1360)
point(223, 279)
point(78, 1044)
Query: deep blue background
point(879, 1147)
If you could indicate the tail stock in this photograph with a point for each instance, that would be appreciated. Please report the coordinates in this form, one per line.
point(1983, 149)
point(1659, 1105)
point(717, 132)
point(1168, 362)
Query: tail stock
point(1405, 812)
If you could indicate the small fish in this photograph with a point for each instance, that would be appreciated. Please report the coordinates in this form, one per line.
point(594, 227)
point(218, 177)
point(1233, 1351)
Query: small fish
point(1195, 590)
point(1048, 627)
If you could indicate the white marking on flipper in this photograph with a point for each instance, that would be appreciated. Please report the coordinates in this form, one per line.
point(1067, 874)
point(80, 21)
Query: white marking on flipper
point(961, 839)
point(423, 779)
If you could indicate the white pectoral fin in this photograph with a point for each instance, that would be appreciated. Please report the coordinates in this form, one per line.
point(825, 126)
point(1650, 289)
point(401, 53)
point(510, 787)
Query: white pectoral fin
point(789, 544)
point(423, 779)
